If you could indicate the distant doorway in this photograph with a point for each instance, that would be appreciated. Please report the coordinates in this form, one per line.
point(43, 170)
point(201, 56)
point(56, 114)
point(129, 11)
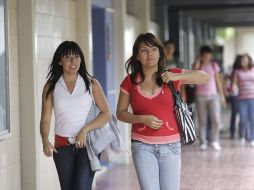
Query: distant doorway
point(103, 52)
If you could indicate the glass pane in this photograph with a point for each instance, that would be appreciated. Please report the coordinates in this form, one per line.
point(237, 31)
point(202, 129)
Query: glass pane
point(3, 75)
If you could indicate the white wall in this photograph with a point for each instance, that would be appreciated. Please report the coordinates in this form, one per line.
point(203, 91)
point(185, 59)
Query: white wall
point(132, 29)
point(229, 53)
point(154, 28)
point(10, 178)
point(245, 40)
point(241, 42)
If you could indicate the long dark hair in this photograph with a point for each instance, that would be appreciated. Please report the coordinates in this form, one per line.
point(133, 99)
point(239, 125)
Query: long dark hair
point(236, 65)
point(237, 62)
point(205, 49)
point(250, 63)
point(56, 70)
point(135, 66)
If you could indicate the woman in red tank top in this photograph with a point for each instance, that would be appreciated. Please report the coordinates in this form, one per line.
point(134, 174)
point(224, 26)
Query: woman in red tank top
point(156, 149)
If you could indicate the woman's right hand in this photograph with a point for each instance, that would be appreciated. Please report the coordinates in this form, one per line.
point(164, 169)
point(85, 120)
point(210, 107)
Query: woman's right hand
point(48, 149)
point(152, 121)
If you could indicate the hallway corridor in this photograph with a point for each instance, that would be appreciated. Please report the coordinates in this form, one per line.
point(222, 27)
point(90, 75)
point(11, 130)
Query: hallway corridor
point(230, 169)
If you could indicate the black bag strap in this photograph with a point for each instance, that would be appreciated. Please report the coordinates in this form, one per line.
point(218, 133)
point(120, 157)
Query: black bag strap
point(171, 86)
point(176, 96)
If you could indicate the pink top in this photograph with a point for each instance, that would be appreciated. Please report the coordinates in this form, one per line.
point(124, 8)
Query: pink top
point(245, 83)
point(209, 88)
point(160, 104)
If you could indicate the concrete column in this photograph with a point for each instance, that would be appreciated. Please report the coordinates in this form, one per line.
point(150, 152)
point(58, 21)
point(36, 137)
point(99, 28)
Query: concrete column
point(163, 21)
point(84, 31)
point(28, 117)
point(142, 9)
point(191, 44)
point(181, 38)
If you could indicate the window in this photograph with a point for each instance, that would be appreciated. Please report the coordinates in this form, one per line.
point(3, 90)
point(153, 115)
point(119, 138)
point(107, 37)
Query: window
point(4, 75)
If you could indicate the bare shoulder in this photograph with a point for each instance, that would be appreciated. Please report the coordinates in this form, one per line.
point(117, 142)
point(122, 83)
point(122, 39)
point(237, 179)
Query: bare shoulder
point(45, 91)
point(97, 90)
point(46, 87)
point(95, 83)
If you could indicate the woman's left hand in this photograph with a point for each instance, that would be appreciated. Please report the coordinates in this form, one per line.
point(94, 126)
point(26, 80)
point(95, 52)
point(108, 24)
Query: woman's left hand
point(223, 101)
point(169, 76)
point(81, 139)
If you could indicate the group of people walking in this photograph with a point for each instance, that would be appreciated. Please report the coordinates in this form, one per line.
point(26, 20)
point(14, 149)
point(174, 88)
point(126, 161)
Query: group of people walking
point(155, 138)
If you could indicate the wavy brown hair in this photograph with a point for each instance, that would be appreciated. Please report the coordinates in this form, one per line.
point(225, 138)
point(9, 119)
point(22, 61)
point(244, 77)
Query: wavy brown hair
point(134, 66)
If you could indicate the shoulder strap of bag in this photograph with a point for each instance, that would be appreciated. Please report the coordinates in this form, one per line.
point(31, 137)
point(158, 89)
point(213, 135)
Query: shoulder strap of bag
point(176, 96)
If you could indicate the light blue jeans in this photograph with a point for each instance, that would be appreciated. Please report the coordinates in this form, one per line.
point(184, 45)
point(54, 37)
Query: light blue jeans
point(246, 110)
point(158, 166)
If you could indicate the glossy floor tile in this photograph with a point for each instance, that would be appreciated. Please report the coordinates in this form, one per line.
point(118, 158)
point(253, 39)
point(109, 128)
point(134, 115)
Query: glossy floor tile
point(232, 168)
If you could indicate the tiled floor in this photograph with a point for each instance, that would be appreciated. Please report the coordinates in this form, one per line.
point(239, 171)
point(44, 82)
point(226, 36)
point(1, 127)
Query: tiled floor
point(230, 169)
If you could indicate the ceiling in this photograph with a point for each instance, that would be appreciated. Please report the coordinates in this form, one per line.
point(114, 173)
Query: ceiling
point(216, 12)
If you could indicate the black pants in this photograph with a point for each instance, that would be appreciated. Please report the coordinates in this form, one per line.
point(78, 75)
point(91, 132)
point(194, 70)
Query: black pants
point(73, 168)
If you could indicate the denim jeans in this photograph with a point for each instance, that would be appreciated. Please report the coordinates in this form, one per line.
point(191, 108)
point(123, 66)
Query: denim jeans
point(208, 127)
point(73, 168)
point(234, 112)
point(158, 166)
point(246, 110)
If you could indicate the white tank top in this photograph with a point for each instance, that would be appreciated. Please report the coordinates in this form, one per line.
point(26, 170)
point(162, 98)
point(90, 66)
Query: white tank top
point(71, 109)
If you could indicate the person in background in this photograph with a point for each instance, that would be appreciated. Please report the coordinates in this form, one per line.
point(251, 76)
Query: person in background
point(171, 60)
point(232, 93)
point(209, 98)
point(244, 79)
point(155, 138)
point(67, 92)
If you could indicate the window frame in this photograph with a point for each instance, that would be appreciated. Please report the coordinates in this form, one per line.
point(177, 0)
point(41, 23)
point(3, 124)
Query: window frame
point(6, 132)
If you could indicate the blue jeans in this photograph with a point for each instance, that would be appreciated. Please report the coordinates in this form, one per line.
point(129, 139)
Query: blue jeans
point(246, 110)
point(73, 168)
point(158, 167)
point(208, 127)
point(234, 111)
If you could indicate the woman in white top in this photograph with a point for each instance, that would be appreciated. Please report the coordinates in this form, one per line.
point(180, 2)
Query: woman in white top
point(67, 91)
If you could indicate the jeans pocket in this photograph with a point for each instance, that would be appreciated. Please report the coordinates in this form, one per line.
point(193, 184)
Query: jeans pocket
point(176, 148)
point(135, 145)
